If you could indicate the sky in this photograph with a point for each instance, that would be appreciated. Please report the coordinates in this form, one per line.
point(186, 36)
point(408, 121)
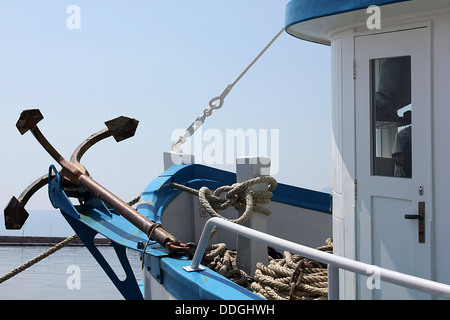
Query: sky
point(160, 62)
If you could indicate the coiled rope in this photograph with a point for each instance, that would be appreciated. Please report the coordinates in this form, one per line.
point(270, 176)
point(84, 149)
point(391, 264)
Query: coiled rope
point(223, 261)
point(290, 278)
point(293, 277)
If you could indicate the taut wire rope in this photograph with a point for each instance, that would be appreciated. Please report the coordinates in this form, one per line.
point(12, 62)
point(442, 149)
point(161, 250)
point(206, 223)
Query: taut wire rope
point(220, 98)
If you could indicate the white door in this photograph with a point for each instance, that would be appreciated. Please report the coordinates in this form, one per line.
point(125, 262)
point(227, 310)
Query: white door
point(393, 158)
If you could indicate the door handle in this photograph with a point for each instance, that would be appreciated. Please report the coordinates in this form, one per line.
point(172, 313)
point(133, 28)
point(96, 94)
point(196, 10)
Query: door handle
point(414, 216)
point(421, 220)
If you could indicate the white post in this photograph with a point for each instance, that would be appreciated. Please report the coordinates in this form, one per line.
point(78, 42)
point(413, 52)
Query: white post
point(249, 252)
point(333, 282)
point(171, 158)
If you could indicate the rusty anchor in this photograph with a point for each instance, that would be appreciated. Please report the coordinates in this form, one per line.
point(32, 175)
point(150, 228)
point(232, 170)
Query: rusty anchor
point(120, 128)
point(77, 175)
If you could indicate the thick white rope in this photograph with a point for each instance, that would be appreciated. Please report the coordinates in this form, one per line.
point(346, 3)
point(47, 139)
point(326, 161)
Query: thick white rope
point(291, 277)
point(237, 195)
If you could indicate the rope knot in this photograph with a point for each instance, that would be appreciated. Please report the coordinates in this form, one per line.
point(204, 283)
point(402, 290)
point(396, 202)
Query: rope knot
point(239, 196)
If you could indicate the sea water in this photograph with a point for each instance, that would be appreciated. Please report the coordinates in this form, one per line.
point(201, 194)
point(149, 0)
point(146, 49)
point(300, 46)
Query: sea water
point(70, 273)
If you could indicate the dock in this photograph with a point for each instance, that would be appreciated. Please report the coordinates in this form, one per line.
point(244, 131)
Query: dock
point(46, 241)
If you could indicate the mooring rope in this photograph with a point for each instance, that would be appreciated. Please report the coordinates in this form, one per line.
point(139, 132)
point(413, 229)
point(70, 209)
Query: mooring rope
point(293, 277)
point(237, 195)
point(290, 278)
point(223, 261)
point(47, 253)
point(38, 258)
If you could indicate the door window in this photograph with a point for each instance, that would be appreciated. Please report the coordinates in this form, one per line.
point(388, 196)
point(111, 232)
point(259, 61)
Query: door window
point(391, 116)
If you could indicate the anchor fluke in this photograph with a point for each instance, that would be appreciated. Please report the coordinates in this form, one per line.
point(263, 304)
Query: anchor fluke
point(122, 128)
point(28, 120)
point(15, 214)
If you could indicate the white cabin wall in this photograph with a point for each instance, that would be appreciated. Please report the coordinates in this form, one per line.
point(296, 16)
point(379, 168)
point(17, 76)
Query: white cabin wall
point(343, 144)
point(441, 143)
point(344, 161)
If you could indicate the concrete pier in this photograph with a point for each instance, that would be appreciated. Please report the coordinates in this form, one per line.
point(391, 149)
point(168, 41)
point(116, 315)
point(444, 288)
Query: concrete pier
point(45, 241)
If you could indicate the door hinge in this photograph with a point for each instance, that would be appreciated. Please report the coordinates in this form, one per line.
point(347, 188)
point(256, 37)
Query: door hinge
point(355, 189)
point(354, 69)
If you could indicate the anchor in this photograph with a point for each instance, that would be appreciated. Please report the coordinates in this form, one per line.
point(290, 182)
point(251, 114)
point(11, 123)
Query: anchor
point(76, 175)
point(120, 128)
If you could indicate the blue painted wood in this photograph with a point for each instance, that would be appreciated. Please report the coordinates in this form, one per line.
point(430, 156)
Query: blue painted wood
point(303, 10)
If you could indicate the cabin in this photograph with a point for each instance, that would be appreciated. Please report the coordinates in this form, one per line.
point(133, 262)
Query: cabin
point(390, 77)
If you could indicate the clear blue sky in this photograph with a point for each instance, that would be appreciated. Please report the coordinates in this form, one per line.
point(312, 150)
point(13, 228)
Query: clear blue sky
point(159, 62)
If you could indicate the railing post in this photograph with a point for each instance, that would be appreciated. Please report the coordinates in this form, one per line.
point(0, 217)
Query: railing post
point(250, 252)
point(201, 247)
point(333, 282)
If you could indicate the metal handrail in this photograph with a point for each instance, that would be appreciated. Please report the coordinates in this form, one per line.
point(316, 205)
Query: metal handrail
point(334, 262)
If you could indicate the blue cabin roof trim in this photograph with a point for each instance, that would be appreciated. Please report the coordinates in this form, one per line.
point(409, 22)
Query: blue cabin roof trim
point(300, 11)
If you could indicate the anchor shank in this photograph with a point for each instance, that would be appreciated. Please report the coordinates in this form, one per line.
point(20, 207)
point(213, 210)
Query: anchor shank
point(137, 219)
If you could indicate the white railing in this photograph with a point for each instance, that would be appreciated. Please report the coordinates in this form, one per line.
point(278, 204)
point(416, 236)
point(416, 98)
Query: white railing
point(334, 262)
